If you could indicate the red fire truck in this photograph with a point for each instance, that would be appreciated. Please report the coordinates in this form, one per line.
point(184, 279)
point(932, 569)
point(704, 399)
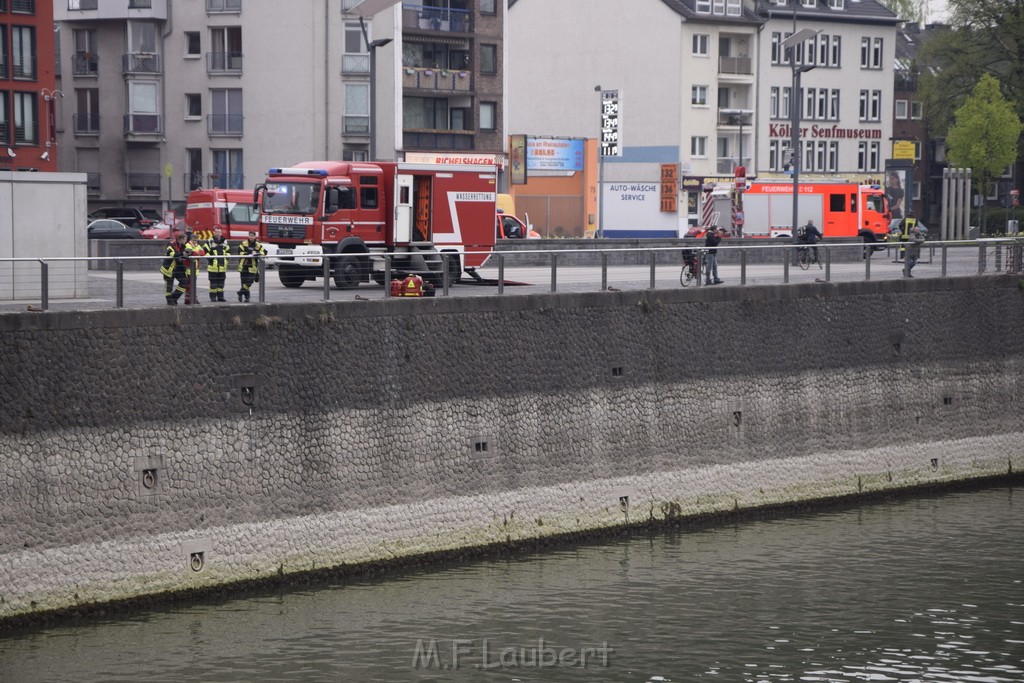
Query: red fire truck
point(839, 209)
point(364, 210)
point(232, 210)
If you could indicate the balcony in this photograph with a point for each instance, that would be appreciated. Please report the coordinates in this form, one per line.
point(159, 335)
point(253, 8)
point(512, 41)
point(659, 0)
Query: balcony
point(438, 139)
point(141, 63)
point(732, 117)
point(23, 6)
point(26, 134)
point(355, 125)
point(5, 132)
point(24, 68)
point(192, 181)
point(143, 183)
point(226, 181)
point(143, 124)
point(224, 125)
point(82, 5)
point(224, 63)
point(3, 64)
point(437, 80)
point(355, 64)
point(440, 19)
point(85, 64)
point(140, 4)
point(224, 6)
point(726, 165)
point(739, 66)
point(86, 124)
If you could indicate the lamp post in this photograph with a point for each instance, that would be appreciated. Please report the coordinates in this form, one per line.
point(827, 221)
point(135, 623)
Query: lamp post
point(371, 47)
point(795, 103)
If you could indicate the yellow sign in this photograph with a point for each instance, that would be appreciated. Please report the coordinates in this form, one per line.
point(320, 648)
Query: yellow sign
point(168, 170)
point(904, 149)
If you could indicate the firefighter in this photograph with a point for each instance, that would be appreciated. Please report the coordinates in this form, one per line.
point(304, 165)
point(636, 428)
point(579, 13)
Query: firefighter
point(217, 266)
point(193, 250)
point(173, 268)
point(249, 264)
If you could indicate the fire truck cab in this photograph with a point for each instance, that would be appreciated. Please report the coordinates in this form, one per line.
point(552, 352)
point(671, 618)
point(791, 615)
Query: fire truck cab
point(366, 210)
point(234, 211)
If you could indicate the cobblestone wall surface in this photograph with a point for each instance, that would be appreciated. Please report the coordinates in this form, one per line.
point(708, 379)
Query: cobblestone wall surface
point(160, 450)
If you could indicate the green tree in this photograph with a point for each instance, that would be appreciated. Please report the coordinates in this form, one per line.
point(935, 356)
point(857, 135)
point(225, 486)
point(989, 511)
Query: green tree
point(985, 135)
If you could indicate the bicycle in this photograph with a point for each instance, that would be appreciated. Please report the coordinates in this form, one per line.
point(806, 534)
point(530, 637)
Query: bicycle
point(692, 264)
point(805, 257)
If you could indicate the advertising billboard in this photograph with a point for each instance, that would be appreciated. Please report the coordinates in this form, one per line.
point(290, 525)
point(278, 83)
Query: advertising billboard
point(554, 154)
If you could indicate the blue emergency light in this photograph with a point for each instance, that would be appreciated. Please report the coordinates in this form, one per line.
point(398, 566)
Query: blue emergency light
point(297, 171)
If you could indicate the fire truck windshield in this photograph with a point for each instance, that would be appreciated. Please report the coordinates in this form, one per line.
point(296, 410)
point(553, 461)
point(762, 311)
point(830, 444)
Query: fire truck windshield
point(296, 198)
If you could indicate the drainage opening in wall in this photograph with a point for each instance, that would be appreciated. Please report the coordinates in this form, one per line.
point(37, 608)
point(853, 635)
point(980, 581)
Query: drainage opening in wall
point(896, 349)
point(624, 503)
point(480, 446)
point(617, 371)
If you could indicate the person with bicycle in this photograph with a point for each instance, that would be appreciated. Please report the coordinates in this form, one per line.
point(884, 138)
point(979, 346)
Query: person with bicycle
point(711, 240)
point(809, 235)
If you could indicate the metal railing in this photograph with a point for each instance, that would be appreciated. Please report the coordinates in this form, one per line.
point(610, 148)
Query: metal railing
point(444, 19)
point(224, 62)
point(444, 80)
point(37, 284)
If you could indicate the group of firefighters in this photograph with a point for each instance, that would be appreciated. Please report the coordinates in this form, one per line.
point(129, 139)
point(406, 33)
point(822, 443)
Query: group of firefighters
point(184, 253)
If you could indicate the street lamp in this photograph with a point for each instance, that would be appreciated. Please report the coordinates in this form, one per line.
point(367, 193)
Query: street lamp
point(49, 96)
point(371, 46)
point(795, 102)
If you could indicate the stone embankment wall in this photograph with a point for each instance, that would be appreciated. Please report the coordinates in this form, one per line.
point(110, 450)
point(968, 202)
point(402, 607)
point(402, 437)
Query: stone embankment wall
point(150, 451)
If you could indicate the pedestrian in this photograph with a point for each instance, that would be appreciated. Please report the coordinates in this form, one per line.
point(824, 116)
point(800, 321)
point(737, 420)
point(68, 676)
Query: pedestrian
point(249, 264)
point(914, 249)
point(711, 240)
point(193, 250)
point(173, 268)
point(218, 249)
point(809, 234)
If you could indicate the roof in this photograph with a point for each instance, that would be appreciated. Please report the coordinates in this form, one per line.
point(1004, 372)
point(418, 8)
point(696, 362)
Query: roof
point(687, 10)
point(854, 11)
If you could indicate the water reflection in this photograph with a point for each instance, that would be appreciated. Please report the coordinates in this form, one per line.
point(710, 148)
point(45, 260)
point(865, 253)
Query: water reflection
point(922, 589)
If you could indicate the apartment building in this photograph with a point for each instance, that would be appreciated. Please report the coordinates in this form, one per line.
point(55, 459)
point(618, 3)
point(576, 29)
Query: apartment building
point(169, 95)
point(29, 100)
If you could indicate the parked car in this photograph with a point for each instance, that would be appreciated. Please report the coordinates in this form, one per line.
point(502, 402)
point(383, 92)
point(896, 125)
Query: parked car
point(133, 217)
point(110, 229)
point(162, 231)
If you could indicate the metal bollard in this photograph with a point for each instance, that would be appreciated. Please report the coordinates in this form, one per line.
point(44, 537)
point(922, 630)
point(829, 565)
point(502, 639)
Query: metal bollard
point(743, 266)
point(44, 285)
point(944, 260)
point(554, 272)
point(654, 256)
point(326, 261)
point(604, 271)
point(867, 268)
point(261, 271)
point(787, 256)
point(387, 276)
point(982, 257)
point(828, 264)
point(445, 278)
point(119, 291)
point(501, 274)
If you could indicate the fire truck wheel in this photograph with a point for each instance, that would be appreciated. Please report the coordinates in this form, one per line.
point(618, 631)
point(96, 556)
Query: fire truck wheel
point(290, 278)
point(346, 273)
point(454, 269)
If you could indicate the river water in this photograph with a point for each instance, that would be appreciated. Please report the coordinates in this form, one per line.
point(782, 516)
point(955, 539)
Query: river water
point(921, 589)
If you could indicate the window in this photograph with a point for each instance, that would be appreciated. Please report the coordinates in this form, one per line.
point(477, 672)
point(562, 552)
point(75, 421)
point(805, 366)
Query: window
point(193, 168)
point(227, 169)
point(733, 8)
point(23, 52)
point(226, 49)
point(870, 105)
point(86, 61)
point(901, 109)
point(193, 106)
point(5, 130)
point(837, 51)
point(808, 3)
point(778, 56)
point(778, 155)
point(703, 6)
point(488, 7)
point(87, 111)
point(143, 116)
point(833, 157)
point(357, 109)
point(870, 53)
point(698, 146)
point(368, 197)
point(425, 112)
point(489, 59)
point(352, 154)
point(26, 118)
point(916, 110)
point(141, 37)
point(488, 115)
point(699, 95)
point(226, 105)
point(867, 156)
point(192, 45)
point(836, 4)
point(773, 103)
point(700, 44)
point(833, 105)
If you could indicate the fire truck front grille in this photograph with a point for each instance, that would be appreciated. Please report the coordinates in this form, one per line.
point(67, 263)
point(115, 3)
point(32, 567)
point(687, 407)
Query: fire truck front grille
point(288, 232)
